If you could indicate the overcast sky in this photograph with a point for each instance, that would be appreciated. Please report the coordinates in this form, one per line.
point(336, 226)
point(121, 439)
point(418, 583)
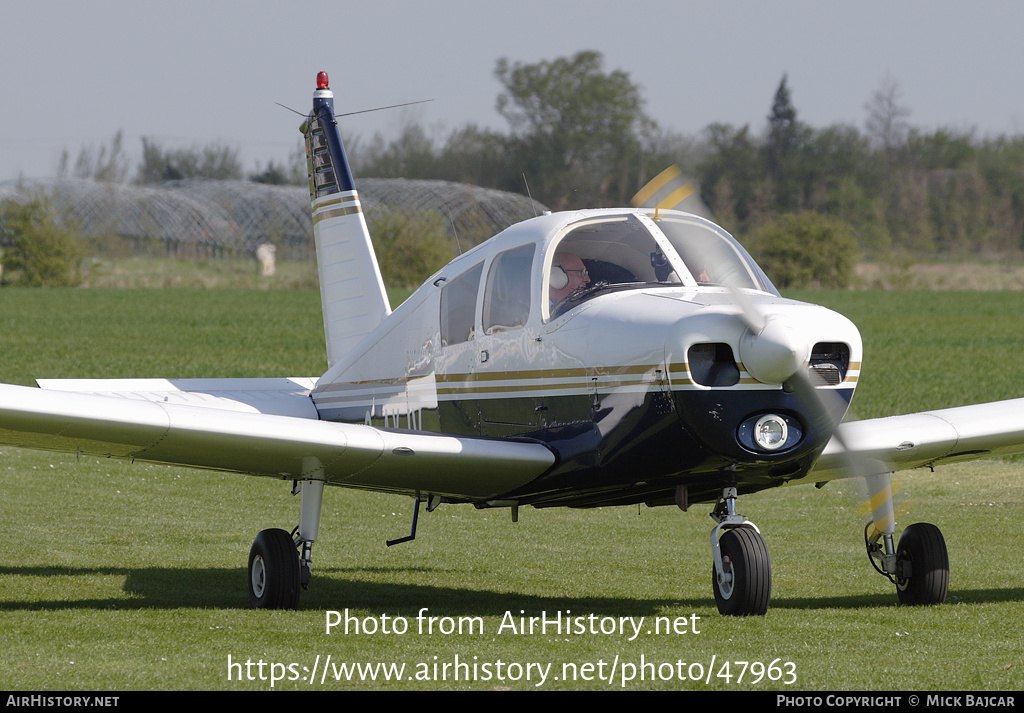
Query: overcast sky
point(193, 73)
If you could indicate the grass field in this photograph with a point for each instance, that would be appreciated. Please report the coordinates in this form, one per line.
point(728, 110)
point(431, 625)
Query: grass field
point(118, 576)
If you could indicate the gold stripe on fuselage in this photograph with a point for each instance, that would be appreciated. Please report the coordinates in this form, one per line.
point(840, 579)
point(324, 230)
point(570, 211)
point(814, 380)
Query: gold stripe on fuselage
point(539, 381)
point(566, 373)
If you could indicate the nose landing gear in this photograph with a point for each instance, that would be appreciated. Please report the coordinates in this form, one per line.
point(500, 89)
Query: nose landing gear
point(742, 572)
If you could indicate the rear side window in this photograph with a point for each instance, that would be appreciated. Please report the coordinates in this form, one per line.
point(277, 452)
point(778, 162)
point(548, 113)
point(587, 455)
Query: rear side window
point(507, 295)
point(458, 306)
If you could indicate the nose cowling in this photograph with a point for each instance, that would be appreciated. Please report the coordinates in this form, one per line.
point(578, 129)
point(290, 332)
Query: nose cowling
point(774, 353)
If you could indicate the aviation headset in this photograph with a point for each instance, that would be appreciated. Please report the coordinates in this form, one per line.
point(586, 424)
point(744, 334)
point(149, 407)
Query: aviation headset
point(558, 278)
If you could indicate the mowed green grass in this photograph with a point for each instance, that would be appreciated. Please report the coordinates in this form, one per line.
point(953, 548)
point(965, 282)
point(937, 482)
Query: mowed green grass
point(117, 576)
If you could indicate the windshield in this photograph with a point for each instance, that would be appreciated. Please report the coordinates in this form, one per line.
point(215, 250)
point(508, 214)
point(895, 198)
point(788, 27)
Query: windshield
point(609, 253)
point(711, 255)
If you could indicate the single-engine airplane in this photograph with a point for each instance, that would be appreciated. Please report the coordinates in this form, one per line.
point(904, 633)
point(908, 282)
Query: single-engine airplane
point(581, 359)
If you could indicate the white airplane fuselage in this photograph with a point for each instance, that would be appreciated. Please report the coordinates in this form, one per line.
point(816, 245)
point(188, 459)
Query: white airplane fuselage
point(631, 388)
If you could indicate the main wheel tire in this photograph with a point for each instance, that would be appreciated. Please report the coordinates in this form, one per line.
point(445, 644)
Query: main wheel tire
point(273, 571)
point(922, 547)
point(745, 556)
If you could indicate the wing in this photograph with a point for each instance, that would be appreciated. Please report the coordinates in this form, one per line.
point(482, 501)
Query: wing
point(926, 439)
point(265, 427)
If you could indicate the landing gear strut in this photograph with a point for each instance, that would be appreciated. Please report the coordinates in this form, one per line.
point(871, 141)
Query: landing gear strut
point(277, 570)
point(742, 571)
point(918, 564)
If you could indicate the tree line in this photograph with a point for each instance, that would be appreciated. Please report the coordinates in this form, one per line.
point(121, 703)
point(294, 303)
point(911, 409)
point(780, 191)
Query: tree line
point(578, 136)
point(159, 164)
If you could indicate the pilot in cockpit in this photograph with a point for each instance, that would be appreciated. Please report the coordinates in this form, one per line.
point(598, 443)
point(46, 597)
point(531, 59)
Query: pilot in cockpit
point(568, 274)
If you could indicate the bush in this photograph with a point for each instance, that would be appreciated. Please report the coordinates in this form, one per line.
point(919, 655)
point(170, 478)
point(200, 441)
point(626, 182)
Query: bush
point(806, 250)
point(410, 247)
point(35, 251)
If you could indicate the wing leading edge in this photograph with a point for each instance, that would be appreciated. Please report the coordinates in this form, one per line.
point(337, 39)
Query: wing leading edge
point(267, 444)
point(928, 438)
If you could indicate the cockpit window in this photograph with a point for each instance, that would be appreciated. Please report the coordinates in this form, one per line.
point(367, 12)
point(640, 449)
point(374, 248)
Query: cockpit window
point(507, 296)
point(605, 254)
point(711, 255)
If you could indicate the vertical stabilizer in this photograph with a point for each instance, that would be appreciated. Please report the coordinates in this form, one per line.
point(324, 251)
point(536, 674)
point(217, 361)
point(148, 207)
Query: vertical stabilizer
point(351, 288)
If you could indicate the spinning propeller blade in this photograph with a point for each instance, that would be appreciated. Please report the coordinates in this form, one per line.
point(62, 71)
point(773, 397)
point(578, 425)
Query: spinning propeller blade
point(822, 407)
point(671, 190)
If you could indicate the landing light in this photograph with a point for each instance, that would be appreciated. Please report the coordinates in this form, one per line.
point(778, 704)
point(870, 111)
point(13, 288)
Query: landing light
point(771, 432)
point(321, 81)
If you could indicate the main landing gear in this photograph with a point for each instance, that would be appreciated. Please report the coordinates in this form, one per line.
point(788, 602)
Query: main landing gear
point(918, 564)
point(280, 564)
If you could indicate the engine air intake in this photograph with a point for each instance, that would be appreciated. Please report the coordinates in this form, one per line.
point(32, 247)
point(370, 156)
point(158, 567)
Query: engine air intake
point(713, 365)
point(829, 362)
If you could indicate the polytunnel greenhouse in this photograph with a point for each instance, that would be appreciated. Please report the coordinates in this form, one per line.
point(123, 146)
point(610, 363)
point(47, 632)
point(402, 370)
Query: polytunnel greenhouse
point(211, 218)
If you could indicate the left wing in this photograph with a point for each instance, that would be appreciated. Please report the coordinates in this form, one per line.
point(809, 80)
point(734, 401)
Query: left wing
point(265, 427)
point(924, 439)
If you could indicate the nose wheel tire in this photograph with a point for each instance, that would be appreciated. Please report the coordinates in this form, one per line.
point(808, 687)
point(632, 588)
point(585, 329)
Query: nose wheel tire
point(747, 585)
point(922, 566)
point(273, 571)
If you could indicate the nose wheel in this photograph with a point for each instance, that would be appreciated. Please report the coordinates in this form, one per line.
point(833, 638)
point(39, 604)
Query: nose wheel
point(744, 585)
point(741, 575)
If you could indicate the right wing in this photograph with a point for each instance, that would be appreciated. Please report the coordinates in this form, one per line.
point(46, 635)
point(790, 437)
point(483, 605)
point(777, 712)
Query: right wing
point(229, 433)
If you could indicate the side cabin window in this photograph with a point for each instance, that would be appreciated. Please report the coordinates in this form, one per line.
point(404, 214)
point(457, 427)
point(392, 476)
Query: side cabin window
point(458, 306)
point(613, 253)
point(507, 294)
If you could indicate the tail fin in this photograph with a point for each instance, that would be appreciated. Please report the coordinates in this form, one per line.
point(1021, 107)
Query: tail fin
point(351, 287)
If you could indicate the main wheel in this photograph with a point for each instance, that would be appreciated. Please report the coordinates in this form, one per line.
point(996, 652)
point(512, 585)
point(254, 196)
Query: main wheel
point(922, 565)
point(745, 557)
point(273, 571)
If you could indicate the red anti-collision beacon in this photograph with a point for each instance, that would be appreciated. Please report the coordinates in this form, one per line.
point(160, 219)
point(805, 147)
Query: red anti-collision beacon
point(321, 81)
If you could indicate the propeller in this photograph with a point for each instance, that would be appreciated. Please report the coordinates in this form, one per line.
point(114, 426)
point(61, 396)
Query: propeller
point(671, 190)
point(773, 350)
